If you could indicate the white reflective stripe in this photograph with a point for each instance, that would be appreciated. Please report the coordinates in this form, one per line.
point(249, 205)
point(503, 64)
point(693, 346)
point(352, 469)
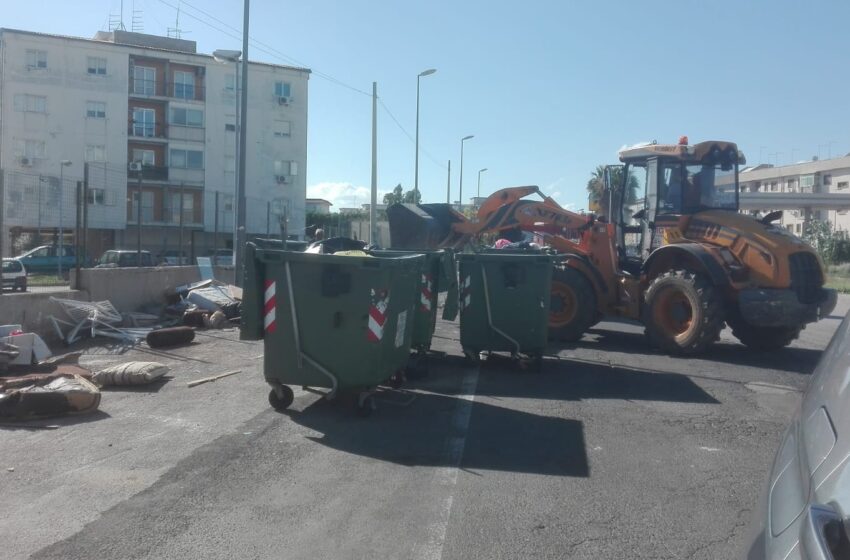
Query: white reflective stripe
point(376, 329)
point(270, 291)
point(268, 319)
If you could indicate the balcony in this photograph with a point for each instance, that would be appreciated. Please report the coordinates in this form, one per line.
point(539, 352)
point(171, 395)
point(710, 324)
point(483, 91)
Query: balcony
point(161, 89)
point(189, 133)
point(147, 131)
point(149, 173)
point(185, 175)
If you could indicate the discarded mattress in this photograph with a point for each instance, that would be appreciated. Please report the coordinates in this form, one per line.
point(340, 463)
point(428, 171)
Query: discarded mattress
point(34, 397)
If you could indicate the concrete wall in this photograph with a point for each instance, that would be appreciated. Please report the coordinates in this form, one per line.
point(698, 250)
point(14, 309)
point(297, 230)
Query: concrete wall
point(32, 309)
point(129, 289)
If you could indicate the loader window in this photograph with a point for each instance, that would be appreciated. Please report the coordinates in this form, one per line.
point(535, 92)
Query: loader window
point(633, 204)
point(711, 187)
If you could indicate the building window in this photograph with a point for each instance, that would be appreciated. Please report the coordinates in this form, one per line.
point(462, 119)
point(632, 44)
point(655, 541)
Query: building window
point(36, 59)
point(144, 121)
point(187, 159)
point(286, 168)
point(230, 82)
point(95, 153)
point(30, 103)
point(147, 206)
point(842, 185)
point(230, 128)
point(146, 157)
point(184, 85)
point(173, 201)
point(799, 228)
point(96, 109)
point(187, 117)
point(827, 180)
point(282, 89)
point(144, 80)
point(29, 148)
point(97, 66)
point(97, 196)
point(282, 129)
point(229, 164)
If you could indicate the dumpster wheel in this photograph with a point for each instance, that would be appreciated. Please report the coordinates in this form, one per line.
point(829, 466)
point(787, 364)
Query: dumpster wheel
point(281, 397)
point(365, 404)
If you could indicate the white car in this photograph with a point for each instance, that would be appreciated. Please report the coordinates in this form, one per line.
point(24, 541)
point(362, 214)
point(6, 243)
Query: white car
point(804, 512)
point(14, 275)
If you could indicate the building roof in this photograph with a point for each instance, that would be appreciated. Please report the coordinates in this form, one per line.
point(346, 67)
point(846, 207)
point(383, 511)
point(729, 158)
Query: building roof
point(318, 201)
point(759, 173)
point(144, 41)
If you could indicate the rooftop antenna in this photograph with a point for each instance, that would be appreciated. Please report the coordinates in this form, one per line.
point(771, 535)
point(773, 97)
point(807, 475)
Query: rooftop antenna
point(175, 32)
point(116, 21)
point(137, 24)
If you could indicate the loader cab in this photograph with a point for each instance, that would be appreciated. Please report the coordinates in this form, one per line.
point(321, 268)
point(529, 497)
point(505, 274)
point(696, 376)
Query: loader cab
point(660, 186)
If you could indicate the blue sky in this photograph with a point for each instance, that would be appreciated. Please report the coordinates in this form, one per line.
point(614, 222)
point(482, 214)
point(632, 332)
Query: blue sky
point(550, 89)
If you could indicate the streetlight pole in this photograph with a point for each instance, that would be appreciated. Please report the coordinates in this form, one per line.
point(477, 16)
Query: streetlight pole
point(416, 168)
point(225, 56)
point(480, 171)
point(62, 165)
point(239, 250)
point(460, 194)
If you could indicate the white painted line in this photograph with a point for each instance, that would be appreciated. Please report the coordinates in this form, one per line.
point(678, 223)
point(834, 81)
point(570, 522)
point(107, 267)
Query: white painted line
point(704, 448)
point(447, 475)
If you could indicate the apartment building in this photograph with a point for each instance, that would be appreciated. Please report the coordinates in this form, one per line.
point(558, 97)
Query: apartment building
point(156, 121)
point(814, 178)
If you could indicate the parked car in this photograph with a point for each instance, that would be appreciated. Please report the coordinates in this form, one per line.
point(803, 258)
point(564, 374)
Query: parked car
point(173, 258)
point(221, 257)
point(45, 259)
point(803, 511)
point(119, 258)
point(14, 275)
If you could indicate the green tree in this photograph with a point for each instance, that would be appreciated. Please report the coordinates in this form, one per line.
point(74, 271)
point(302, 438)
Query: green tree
point(399, 195)
point(597, 194)
point(832, 245)
point(395, 196)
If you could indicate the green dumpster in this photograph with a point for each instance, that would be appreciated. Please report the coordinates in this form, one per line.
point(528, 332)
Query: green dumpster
point(438, 275)
point(504, 303)
point(341, 323)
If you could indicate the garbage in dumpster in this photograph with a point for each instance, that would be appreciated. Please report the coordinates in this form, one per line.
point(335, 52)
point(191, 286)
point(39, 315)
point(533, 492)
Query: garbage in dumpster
point(130, 373)
point(171, 336)
point(46, 395)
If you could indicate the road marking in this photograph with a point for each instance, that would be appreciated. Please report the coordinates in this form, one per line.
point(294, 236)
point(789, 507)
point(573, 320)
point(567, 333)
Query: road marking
point(447, 475)
point(704, 448)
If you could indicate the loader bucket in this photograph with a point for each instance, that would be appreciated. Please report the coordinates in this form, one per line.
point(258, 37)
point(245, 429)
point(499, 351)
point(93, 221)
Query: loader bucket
point(423, 226)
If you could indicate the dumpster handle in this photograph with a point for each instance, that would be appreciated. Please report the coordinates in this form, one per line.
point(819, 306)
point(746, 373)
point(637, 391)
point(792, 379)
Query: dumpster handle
point(489, 314)
point(298, 353)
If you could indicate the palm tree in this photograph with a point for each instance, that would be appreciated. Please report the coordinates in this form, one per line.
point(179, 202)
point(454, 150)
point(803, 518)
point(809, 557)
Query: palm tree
point(597, 194)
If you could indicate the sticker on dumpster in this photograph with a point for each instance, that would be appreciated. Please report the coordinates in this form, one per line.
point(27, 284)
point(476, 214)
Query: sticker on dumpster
point(401, 325)
point(377, 315)
point(427, 290)
point(464, 293)
point(269, 322)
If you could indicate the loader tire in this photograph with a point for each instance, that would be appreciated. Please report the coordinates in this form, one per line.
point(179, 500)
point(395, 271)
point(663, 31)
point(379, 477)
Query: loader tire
point(572, 309)
point(683, 312)
point(763, 338)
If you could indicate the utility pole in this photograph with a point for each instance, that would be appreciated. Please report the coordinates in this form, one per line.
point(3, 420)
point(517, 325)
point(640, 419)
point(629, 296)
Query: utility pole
point(85, 203)
point(2, 211)
point(239, 250)
point(180, 251)
point(374, 198)
point(449, 184)
point(215, 229)
point(77, 221)
point(139, 218)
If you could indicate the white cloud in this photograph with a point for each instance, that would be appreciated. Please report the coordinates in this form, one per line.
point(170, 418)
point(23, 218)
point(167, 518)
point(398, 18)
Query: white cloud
point(342, 195)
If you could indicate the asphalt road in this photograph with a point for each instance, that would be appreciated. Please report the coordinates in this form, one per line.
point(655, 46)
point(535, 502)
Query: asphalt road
point(613, 451)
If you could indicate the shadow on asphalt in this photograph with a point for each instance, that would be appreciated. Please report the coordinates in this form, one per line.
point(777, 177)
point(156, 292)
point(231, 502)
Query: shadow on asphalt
point(61, 421)
point(790, 359)
point(421, 435)
point(566, 379)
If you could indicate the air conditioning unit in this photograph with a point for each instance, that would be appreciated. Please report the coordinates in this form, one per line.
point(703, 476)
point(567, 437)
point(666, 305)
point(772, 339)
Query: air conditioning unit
point(135, 166)
point(281, 179)
point(283, 100)
point(25, 162)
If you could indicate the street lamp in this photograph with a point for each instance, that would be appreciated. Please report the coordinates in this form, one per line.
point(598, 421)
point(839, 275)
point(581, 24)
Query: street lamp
point(416, 169)
point(62, 165)
point(225, 56)
point(460, 194)
point(480, 171)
